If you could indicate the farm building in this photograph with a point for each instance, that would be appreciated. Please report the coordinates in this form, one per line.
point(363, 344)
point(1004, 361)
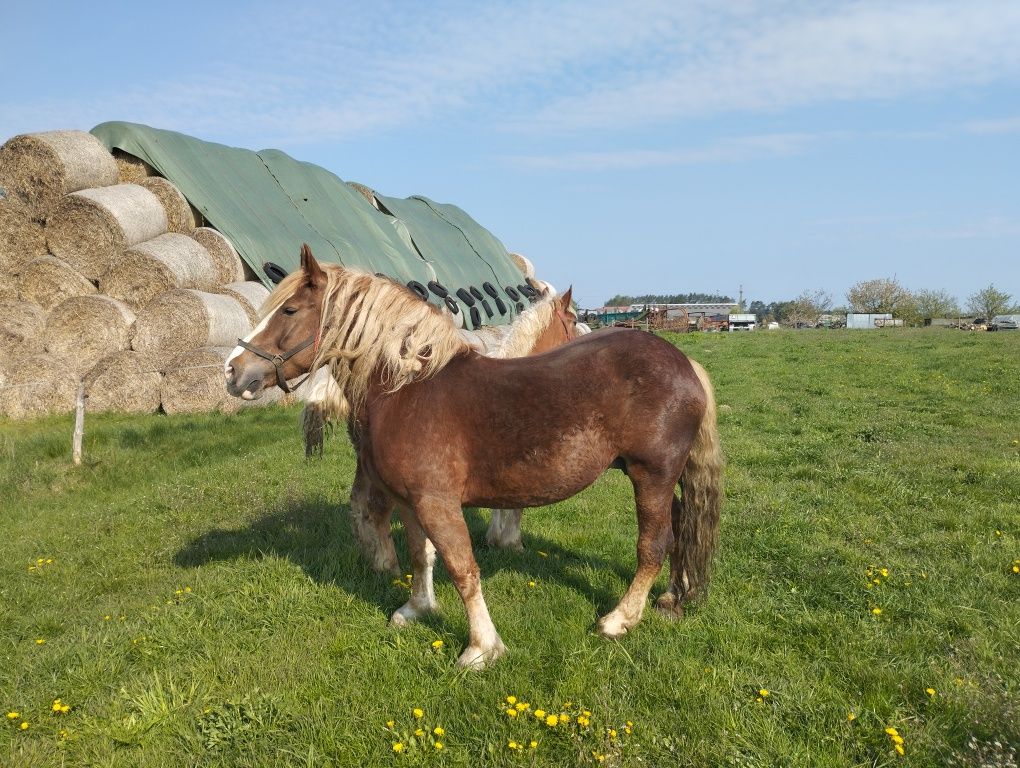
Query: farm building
point(869, 320)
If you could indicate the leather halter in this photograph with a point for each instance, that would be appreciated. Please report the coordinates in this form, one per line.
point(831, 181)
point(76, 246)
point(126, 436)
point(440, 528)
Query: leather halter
point(279, 359)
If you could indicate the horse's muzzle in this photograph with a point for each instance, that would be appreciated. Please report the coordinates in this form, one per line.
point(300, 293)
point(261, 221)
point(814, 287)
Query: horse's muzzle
point(247, 386)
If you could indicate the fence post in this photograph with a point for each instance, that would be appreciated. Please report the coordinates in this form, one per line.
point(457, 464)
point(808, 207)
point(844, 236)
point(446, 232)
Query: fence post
point(79, 423)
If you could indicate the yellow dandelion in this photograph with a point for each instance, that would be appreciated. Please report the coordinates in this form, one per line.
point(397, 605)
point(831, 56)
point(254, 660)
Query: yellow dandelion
point(187, 590)
point(437, 644)
point(998, 532)
point(1016, 569)
point(540, 714)
point(389, 723)
point(899, 749)
point(511, 744)
point(40, 561)
point(40, 641)
point(892, 731)
point(13, 715)
point(564, 717)
point(533, 744)
point(418, 713)
point(897, 739)
point(763, 692)
point(56, 705)
point(586, 713)
point(851, 717)
point(552, 720)
point(531, 584)
point(930, 692)
point(760, 700)
point(884, 572)
point(511, 712)
point(398, 747)
point(521, 706)
point(419, 733)
point(612, 733)
point(107, 617)
point(438, 745)
point(877, 611)
point(439, 731)
point(24, 725)
point(511, 699)
point(49, 561)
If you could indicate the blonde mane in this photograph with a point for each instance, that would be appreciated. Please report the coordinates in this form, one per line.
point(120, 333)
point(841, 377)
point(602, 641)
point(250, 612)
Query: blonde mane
point(518, 338)
point(373, 326)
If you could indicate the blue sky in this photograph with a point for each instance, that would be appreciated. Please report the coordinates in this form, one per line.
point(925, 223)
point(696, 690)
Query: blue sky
point(629, 147)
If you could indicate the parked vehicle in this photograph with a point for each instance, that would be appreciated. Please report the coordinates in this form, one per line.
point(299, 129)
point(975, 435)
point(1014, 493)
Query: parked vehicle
point(1004, 323)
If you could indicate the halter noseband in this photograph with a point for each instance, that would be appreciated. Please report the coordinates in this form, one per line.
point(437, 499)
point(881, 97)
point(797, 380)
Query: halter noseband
point(279, 359)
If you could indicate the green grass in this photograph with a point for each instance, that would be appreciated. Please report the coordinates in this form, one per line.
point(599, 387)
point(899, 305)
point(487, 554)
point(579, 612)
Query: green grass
point(243, 629)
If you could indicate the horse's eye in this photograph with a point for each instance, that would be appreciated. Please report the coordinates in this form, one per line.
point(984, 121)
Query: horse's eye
point(289, 310)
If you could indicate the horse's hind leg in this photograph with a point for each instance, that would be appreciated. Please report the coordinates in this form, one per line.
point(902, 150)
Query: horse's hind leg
point(370, 521)
point(653, 496)
point(505, 529)
point(423, 558)
point(445, 525)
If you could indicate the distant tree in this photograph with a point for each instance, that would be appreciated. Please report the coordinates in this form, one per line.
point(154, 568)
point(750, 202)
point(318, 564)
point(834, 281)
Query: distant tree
point(677, 298)
point(988, 302)
point(935, 304)
point(759, 309)
point(884, 294)
point(808, 307)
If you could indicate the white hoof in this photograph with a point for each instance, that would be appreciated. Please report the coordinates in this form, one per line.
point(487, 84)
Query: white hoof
point(612, 626)
point(407, 613)
point(475, 657)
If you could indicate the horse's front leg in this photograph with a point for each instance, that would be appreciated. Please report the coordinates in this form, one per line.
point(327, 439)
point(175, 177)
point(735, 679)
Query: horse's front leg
point(423, 558)
point(444, 523)
point(505, 529)
point(370, 521)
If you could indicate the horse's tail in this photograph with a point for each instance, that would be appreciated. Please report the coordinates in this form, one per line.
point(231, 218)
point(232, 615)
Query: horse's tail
point(696, 512)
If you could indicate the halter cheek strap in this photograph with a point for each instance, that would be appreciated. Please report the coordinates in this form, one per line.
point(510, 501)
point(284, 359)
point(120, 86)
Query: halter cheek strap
point(279, 359)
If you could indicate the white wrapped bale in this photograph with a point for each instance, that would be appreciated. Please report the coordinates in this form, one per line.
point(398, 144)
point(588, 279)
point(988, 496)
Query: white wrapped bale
point(182, 320)
point(229, 264)
point(85, 329)
point(48, 281)
point(124, 382)
point(180, 216)
point(40, 168)
point(21, 329)
point(149, 269)
point(90, 229)
point(250, 293)
point(37, 385)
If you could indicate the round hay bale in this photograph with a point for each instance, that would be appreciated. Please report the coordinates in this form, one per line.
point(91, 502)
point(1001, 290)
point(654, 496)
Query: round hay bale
point(8, 287)
point(250, 293)
point(85, 329)
point(524, 264)
point(21, 329)
point(48, 281)
point(152, 268)
point(40, 168)
point(22, 238)
point(182, 320)
point(223, 253)
point(125, 382)
point(180, 216)
point(130, 169)
point(90, 229)
point(37, 385)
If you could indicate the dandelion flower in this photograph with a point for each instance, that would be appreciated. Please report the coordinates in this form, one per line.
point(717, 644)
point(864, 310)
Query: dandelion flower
point(389, 723)
point(533, 744)
point(612, 733)
point(438, 731)
point(851, 717)
point(187, 590)
point(511, 744)
point(438, 745)
point(877, 611)
point(899, 749)
point(437, 644)
point(892, 731)
point(398, 747)
point(107, 617)
point(884, 572)
point(763, 692)
point(552, 720)
point(540, 714)
point(520, 706)
point(511, 699)
point(24, 725)
point(930, 692)
point(419, 733)
point(531, 584)
point(511, 712)
point(418, 713)
point(40, 641)
point(897, 740)
point(13, 715)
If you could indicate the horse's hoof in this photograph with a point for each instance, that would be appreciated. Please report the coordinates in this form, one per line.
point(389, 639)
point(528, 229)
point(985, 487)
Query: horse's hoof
point(611, 627)
point(478, 659)
point(669, 605)
point(398, 620)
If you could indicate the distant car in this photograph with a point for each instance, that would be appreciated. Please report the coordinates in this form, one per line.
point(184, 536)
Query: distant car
point(1004, 323)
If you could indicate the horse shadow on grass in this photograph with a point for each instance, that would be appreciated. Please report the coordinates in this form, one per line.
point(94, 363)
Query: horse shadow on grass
point(316, 535)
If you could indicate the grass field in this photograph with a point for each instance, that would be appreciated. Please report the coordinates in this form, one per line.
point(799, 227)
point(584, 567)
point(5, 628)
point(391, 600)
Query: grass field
point(191, 595)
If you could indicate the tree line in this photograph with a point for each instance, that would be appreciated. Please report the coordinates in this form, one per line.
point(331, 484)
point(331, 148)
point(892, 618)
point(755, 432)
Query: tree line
point(676, 298)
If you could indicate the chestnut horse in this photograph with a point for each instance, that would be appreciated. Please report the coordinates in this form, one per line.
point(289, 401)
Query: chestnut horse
point(541, 327)
point(397, 361)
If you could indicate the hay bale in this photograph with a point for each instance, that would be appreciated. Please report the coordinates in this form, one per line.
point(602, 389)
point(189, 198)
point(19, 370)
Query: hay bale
point(130, 169)
point(40, 168)
point(37, 385)
point(8, 287)
point(231, 269)
point(524, 264)
point(48, 281)
point(182, 320)
point(21, 329)
point(85, 329)
point(125, 382)
point(250, 293)
point(194, 383)
point(180, 216)
point(90, 229)
point(152, 268)
point(22, 237)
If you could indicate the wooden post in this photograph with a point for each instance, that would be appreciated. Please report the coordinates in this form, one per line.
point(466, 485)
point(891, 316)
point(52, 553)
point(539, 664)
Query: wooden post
point(79, 423)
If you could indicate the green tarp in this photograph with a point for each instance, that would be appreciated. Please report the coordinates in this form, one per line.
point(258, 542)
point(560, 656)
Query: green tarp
point(268, 204)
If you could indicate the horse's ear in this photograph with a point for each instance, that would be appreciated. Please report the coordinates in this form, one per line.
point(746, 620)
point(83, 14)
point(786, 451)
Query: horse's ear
point(313, 272)
point(565, 299)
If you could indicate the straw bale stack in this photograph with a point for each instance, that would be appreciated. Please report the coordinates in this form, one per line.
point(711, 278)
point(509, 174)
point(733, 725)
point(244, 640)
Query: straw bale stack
point(21, 329)
point(229, 264)
point(8, 288)
point(85, 329)
point(250, 293)
point(124, 381)
point(185, 319)
point(150, 269)
point(48, 281)
point(194, 383)
point(37, 385)
point(40, 168)
point(22, 237)
point(180, 216)
point(130, 169)
point(90, 229)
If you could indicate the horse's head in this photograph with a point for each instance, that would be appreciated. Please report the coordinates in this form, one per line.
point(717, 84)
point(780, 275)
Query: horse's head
point(284, 344)
point(562, 329)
